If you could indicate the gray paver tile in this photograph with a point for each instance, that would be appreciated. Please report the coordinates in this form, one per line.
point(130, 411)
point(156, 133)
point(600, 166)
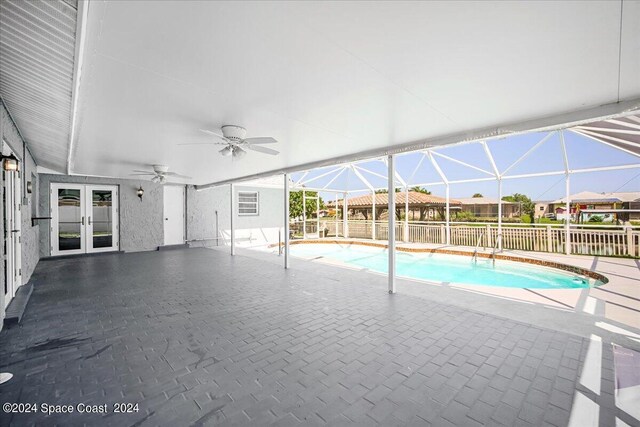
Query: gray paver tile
point(240, 343)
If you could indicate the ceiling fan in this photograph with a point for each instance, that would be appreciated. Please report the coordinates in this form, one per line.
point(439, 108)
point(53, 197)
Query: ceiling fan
point(160, 173)
point(233, 138)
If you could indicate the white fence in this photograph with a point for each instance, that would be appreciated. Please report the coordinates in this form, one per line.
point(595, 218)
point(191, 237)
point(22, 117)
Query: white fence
point(585, 240)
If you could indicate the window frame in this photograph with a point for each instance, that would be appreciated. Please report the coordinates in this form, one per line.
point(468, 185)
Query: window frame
point(257, 203)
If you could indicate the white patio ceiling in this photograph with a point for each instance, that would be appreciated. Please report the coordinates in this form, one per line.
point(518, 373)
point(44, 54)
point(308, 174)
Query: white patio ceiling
point(37, 49)
point(330, 79)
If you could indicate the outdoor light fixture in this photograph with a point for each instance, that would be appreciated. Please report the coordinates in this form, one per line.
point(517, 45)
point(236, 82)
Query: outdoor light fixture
point(10, 163)
point(140, 192)
point(226, 151)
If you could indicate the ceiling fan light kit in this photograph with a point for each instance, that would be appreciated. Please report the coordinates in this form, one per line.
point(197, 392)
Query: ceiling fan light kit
point(226, 151)
point(159, 179)
point(238, 152)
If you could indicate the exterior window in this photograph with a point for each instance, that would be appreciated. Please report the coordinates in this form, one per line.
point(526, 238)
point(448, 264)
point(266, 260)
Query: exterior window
point(541, 208)
point(248, 203)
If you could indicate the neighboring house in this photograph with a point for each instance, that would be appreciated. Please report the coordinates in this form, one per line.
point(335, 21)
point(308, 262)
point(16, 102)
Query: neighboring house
point(488, 207)
point(422, 207)
point(612, 207)
point(541, 209)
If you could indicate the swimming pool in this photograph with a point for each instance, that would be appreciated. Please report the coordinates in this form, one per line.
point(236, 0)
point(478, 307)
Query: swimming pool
point(447, 268)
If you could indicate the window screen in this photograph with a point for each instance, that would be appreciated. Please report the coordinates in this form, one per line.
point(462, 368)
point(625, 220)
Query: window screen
point(248, 203)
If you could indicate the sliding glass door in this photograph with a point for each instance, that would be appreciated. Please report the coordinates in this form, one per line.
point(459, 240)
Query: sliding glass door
point(84, 218)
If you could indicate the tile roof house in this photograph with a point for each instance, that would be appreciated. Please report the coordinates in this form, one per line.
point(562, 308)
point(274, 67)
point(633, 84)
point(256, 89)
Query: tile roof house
point(488, 207)
point(421, 206)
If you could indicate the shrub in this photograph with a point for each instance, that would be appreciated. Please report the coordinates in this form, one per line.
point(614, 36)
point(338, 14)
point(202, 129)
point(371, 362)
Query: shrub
point(491, 219)
point(465, 216)
point(596, 218)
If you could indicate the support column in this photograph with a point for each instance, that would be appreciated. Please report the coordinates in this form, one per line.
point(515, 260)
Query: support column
point(373, 214)
point(232, 230)
point(345, 216)
point(567, 225)
point(318, 214)
point(392, 224)
point(337, 222)
point(286, 220)
point(448, 216)
point(499, 214)
point(304, 215)
point(406, 214)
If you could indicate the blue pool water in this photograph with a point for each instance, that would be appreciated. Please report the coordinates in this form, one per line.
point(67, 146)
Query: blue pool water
point(447, 268)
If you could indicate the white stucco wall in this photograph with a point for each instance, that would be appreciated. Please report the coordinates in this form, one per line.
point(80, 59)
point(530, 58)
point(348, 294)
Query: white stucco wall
point(256, 231)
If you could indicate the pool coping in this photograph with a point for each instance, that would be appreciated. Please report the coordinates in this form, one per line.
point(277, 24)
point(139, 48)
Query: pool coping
point(552, 264)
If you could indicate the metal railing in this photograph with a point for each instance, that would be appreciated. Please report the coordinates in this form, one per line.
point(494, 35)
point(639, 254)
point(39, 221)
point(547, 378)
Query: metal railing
point(585, 239)
point(495, 247)
point(475, 252)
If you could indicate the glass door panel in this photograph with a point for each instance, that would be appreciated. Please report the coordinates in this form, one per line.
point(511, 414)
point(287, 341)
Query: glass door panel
point(102, 218)
point(70, 219)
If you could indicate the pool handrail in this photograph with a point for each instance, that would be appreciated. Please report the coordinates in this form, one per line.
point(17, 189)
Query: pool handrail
point(495, 245)
point(475, 252)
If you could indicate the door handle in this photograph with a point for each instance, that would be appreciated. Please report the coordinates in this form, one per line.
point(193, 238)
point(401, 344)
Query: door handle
point(89, 220)
point(15, 231)
point(82, 222)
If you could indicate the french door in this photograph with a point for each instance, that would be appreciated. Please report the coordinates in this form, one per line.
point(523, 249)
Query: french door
point(12, 199)
point(84, 218)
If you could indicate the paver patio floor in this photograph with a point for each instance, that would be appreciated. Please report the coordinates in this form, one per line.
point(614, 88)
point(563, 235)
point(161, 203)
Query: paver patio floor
point(197, 337)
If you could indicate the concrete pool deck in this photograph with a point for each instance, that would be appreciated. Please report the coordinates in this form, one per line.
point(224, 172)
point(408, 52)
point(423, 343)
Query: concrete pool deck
point(617, 302)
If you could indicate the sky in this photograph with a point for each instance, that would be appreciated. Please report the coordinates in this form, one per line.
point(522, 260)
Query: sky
point(583, 152)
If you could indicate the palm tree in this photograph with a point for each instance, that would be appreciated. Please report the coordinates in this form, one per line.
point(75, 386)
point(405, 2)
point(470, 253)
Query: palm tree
point(420, 190)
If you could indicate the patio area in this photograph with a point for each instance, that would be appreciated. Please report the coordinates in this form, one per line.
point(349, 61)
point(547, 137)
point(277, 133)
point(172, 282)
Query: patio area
point(196, 337)
point(165, 178)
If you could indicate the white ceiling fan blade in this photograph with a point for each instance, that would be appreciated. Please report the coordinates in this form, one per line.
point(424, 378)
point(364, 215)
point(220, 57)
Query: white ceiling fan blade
point(177, 175)
point(262, 149)
point(145, 172)
point(203, 143)
point(208, 132)
point(260, 140)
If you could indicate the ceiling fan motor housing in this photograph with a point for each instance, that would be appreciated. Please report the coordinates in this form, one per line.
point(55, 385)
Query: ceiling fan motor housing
point(234, 133)
point(160, 169)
